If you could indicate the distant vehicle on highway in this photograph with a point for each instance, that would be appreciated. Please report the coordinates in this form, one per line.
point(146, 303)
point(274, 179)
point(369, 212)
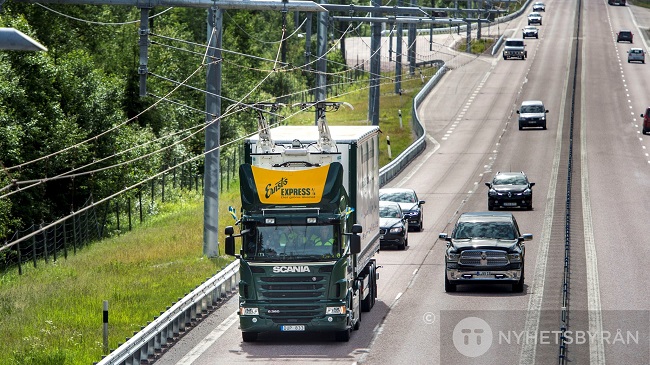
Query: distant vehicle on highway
point(646, 121)
point(408, 201)
point(539, 6)
point(625, 36)
point(636, 54)
point(534, 18)
point(510, 190)
point(485, 247)
point(530, 32)
point(616, 2)
point(514, 48)
point(532, 113)
point(393, 225)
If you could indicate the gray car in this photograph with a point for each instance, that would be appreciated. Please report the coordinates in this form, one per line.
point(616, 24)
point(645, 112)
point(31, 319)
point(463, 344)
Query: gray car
point(636, 55)
point(532, 114)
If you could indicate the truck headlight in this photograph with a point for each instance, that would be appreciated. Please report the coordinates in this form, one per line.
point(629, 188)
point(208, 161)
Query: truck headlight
point(452, 256)
point(335, 310)
point(244, 311)
point(514, 257)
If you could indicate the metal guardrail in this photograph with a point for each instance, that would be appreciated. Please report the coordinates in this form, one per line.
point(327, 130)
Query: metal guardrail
point(157, 335)
point(388, 172)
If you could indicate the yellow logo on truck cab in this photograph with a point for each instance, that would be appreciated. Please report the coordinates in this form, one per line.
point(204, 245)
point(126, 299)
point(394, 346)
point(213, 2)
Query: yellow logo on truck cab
point(290, 186)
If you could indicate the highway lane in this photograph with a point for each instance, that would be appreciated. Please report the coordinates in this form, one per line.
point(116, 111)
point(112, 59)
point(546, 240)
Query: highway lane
point(470, 115)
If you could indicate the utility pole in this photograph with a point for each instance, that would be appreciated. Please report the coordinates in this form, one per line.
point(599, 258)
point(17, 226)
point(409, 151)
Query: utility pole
point(375, 69)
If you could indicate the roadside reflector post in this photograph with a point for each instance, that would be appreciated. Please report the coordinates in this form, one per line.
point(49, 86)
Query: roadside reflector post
point(105, 321)
point(390, 155)
point(399, 113)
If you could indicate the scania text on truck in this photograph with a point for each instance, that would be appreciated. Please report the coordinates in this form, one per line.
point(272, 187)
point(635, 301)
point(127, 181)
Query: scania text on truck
point(309, 228)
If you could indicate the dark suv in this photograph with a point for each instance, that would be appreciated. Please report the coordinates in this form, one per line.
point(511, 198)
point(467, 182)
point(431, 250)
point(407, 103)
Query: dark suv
point(510, 190)
point(485, 247)
point(624, 36)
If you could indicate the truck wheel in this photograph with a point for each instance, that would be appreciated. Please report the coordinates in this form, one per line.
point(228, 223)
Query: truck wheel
point(366, 303)
point(449, 287)
point(357, 325)
point(519, 286)
point(343, 336)
point(249, 336)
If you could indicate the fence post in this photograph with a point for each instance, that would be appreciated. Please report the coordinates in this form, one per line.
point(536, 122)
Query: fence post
point(54, 251)
point(34, 247)
point(140, 203)
point(117, 214)
point(163, 187)
point(152, 190)
point(65, 241)
point(20, 259)
point(129, 215)
point(45, 253)
point(74, 233)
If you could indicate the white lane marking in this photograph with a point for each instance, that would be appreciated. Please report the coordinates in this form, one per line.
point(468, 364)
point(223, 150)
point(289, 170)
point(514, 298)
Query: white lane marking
point(596, 348)
point(417, 168)
point(531, 327)
point(209, 340)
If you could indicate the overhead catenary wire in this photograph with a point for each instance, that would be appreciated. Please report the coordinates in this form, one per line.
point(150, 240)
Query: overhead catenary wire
point(100, 23)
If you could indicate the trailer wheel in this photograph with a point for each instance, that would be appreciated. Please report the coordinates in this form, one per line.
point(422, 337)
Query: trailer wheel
point(249, 336)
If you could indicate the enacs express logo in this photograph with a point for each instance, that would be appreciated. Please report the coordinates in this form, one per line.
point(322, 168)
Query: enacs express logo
point(288, 192)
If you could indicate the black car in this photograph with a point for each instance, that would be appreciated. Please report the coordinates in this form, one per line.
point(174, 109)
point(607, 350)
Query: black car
point(485, 247)
point(393, 226)
point(408, 201)
point(510, 190)
point(625, 36)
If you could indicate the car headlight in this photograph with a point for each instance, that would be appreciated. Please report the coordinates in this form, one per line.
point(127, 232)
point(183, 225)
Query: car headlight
point(244, 311)
point(396, 230)
point(335, 310)
point(492, 192)
point(453, 256)
point(528, 192)
point(514, 257)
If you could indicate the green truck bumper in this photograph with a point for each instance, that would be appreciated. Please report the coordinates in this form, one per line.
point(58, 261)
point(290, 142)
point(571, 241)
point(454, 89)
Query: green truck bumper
point(336, 322)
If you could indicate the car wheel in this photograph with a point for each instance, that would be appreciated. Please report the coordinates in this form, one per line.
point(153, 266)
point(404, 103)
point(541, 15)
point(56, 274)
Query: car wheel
point(420, 227)
point(544, 126)
point(449, 287)
point(519, 286)
point(249, 336)
point(505, 58)
point(628, 61)
point(536, 37)
point(402, 245)
point(520, 127)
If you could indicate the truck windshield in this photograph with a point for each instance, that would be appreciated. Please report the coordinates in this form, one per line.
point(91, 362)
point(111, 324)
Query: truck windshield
point(292, 243)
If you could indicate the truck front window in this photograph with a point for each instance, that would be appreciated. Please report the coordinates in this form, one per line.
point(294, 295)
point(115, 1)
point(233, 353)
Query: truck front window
point(292, 243)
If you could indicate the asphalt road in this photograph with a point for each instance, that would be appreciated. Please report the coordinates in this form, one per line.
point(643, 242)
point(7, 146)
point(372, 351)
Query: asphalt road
point(472, 130)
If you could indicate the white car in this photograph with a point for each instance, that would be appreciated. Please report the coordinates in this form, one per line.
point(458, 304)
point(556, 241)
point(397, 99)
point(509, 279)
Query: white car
point(530, 31)
point(539, 6)
point(636, 54)
point(534, 18)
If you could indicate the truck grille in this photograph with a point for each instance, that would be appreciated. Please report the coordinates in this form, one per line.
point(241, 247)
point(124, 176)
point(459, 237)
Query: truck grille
point(292, 299)
point(483, 258)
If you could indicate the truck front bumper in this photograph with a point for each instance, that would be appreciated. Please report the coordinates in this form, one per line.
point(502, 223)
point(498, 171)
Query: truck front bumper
point(334, 322)
point(502, 276)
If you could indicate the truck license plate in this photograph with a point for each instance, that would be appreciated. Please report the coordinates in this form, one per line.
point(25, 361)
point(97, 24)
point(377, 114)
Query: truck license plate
point(292, 328)
point(483, 273)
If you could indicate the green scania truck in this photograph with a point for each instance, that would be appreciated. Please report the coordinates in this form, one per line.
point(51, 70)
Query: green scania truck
point(309, 229)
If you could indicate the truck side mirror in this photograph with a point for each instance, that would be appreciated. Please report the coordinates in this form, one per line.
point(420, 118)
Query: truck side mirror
point(355, 244)
point(356, 228)
point(230, 246)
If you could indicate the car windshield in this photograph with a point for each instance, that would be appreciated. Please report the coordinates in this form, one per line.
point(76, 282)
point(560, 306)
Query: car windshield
point(389, 211)
point(286, 243)
point(398, 197)
point(515, 43)
point(509, 180)
point(532, 109)
point(491, 230)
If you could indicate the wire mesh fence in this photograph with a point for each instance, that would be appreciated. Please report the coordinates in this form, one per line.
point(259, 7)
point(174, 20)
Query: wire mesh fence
point(113, 217)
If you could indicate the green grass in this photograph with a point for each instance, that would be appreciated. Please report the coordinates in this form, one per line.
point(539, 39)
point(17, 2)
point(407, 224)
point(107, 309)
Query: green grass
point(52, 314)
